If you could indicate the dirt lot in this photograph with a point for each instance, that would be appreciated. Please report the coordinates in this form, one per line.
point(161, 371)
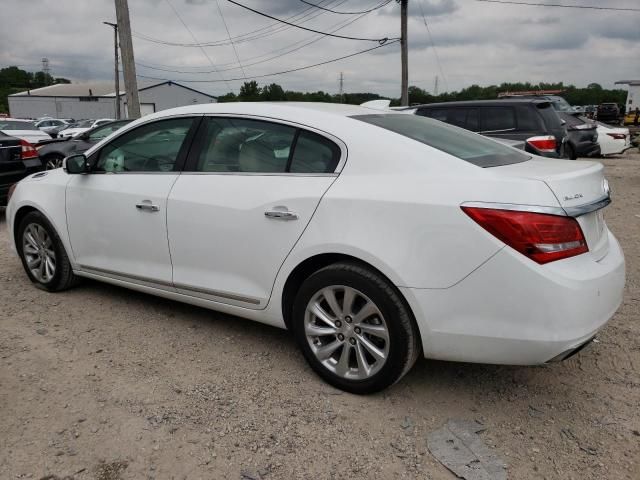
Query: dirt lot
point(104, 383)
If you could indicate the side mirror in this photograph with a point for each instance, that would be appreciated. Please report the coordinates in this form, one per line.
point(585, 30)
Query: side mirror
point(76, 164)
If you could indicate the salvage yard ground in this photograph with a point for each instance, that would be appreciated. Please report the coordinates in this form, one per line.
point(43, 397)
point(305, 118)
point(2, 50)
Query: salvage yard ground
point(105, 383)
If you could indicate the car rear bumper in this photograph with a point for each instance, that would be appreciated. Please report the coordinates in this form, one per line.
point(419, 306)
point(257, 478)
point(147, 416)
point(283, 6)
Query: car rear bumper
point(588, 149)
point(513, 311)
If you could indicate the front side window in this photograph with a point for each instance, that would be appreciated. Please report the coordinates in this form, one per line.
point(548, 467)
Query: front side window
point(255, 146)
point(153, 147)
point(460, 143)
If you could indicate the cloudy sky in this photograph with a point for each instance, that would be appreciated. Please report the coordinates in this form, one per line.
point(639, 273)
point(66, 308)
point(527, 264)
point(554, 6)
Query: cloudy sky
point(475, 42)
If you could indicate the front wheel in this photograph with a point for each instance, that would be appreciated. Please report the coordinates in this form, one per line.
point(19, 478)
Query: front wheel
point(52, 162)
point(42, 253)
point(354, 329)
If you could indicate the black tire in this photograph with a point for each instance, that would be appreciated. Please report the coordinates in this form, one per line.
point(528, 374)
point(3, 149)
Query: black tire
point(63, 277)
point(404, 342)
point(54, 160)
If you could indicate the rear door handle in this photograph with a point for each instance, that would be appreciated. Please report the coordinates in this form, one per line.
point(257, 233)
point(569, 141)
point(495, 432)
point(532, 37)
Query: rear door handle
point(149, 207)
point(281, 215)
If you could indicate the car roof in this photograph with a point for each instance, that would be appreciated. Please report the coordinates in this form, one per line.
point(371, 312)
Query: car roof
point(488, 103)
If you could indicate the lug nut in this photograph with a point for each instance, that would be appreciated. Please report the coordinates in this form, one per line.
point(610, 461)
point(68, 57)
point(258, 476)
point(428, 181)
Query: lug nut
point(347, 319)
point(352, 341)
point(338, 323)
point(357, 330)
point(340, 337)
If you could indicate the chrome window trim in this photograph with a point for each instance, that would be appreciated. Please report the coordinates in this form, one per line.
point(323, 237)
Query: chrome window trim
point(341, 145)
point(574, 212)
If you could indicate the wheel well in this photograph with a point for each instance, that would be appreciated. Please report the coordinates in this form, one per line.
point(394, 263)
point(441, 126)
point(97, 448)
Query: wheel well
point(20, 214)
point(313, 264)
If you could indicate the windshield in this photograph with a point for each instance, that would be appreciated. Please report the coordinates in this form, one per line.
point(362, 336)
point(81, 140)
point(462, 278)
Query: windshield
point(461, 143)
point(15, 125)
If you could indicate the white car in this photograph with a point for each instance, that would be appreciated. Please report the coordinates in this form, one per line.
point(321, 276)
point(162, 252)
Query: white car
point(82, 127)
point(613, 140)
point(23, 129)
point(377, 237)
point(48, 125)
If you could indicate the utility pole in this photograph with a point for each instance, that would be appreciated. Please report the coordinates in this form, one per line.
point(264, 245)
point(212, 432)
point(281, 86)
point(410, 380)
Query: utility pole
point(115, 52)
point(128, 64)
point(341, 87)
point(404, 57)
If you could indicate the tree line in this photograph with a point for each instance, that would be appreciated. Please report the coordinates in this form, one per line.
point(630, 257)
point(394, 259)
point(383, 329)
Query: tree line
point(14, 80)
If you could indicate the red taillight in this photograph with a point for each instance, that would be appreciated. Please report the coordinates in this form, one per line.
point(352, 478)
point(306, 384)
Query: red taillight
point(542, 237)
point(617, 136)
point(28, 151)
point(545, 143)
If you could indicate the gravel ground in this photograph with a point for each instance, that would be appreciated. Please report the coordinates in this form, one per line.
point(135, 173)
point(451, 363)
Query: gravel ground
point(104, 383)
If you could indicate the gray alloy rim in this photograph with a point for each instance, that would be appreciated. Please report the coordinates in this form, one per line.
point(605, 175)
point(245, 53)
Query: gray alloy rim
point(53, 163)
point(37, 248)
point(347, 332)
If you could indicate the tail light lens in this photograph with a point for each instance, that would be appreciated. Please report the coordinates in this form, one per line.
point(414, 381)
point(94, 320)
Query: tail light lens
point(28, 151)
point(542, 237)
point(545, 143)
point(617, 136)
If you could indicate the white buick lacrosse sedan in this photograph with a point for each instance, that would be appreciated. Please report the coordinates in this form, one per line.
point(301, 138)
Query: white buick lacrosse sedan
point(375, 236)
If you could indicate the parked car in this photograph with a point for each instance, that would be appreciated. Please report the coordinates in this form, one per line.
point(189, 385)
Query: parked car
point(608, 112)
point(50, 125)
point(18, 159)
point(83, 126)
point(24, 129)
point(582, 137)
point(377, 237)
point(533, 121)
point(54, 151)
point(613, 140)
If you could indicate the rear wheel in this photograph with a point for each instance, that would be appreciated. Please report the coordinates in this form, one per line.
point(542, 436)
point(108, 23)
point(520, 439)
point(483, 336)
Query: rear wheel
point(354, 329)
point(42, 253)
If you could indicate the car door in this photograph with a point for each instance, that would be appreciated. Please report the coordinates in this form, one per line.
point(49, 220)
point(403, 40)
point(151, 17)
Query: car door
point(248, 192)
point(116, 215)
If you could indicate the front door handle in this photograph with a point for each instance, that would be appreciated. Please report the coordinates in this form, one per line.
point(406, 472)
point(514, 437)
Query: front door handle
point(281, 215)
point(149, 207)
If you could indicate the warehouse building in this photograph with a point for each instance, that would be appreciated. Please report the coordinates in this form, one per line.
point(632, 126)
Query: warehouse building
point(97, 100)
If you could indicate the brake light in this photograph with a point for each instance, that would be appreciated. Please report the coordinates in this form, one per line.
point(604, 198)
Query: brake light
point(545, 143)
point(28, 151)
point(617, 136)
point(542, 237)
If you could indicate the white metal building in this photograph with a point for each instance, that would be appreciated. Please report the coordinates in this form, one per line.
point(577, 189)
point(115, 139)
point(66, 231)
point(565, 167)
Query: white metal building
point(97, 100)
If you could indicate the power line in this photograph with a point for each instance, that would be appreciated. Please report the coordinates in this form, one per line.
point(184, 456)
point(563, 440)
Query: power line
point(248, 36)
point(282, 72)
point(381, 41)
point(297, 46)
point(196, 40)
point(433, 45)
point(229, 35)
point(589, 7)
point(383, 4)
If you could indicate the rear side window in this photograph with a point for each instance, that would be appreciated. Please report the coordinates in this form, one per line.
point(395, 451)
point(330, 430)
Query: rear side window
point(314, 154)
point(458, 116)
point(460, 143)
point(528, 119)
point(498, 118)
point(549, 115)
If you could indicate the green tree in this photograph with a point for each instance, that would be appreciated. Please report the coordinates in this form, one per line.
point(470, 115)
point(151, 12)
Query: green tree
point(249, 92)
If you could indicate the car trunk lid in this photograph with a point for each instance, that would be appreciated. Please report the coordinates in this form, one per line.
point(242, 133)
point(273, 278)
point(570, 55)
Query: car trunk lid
point(581, 191)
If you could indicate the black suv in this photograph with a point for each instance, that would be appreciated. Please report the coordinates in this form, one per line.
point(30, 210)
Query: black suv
point(18, 159)
point(533, 121)
point(608, 112)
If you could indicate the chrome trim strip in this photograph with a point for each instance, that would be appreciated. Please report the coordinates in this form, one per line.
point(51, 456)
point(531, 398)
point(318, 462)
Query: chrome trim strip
point(588, 207)
point(160, 283)
point(139, 278)
point(518, 208)
point(216, 293)
point(263, 174)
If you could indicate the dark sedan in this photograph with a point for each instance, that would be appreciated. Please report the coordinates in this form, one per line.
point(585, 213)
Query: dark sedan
point(18, 158)
point(52, 152)
point(582, 137)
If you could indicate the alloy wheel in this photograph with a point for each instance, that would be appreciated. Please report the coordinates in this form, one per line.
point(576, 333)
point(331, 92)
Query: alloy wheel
point(347, 332)
point(39, 255)
point(53, 163)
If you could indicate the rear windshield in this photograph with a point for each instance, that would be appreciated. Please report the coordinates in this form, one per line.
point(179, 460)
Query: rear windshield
point(467, 146)
point(13, 125)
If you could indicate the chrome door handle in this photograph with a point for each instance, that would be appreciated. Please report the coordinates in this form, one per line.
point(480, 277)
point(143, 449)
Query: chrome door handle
point(281, 215)
point(149, 207)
